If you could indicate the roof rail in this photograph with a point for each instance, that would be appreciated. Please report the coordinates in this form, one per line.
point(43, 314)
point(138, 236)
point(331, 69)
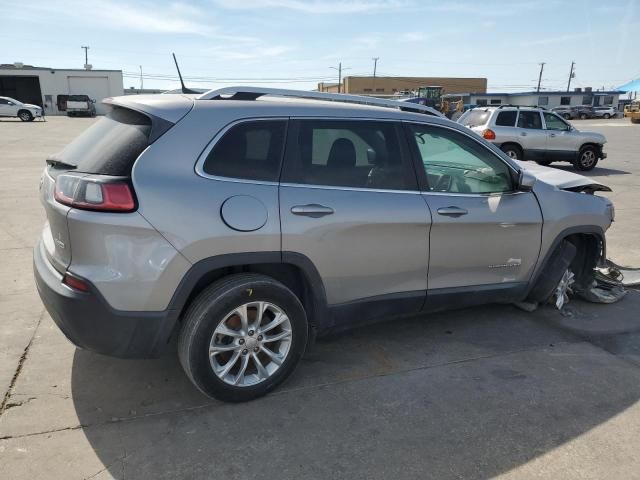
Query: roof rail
point(521, 106)
point(252, 93)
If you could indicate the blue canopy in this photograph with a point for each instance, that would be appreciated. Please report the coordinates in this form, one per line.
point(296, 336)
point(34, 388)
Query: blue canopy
point(632, 86)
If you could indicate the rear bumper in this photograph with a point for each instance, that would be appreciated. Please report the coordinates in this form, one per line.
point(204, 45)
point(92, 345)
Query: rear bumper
point(89, 322)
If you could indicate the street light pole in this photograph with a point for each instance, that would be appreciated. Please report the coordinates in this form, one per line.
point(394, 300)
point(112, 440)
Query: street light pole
point(375, 65)
point(570, 76)
point(339, 69)
point(540, 77)
point(86, 55)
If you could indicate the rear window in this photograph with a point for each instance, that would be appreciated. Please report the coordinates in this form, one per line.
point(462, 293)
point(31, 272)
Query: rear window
point(507, 119)
point(475, 118)
point(77, 98)
point(111, 145)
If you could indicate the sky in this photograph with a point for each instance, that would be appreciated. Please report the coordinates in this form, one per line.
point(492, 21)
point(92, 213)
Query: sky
point(298, 43)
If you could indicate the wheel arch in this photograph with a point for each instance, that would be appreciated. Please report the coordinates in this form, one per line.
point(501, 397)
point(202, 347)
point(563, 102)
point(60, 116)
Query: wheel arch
point(590, 244)
point(294, 270)
point(512, 143)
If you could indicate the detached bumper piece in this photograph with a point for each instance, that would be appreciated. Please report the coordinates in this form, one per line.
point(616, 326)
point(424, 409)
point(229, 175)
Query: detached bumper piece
point(606, 286)
point(89, 322)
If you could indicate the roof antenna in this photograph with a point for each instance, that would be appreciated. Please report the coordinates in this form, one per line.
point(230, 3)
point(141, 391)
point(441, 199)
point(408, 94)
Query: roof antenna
point(184, 89)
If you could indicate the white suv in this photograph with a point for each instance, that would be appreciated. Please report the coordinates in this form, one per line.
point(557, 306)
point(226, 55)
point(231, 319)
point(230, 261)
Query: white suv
point(10, 107)
point(534, 133)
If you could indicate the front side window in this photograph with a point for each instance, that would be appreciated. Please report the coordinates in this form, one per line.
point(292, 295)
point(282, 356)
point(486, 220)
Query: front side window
point(249, 150)
point(348, 153)
point(456, 163)
point(530, 119)
point(553, 122)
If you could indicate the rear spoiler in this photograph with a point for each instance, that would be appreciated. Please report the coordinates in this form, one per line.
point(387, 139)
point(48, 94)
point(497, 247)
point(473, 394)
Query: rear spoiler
point(164, 112)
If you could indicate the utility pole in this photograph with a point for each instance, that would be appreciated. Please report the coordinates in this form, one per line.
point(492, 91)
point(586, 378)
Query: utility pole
point(571, 75)
point(141, 80)
point(375, 65)
point(540, 76)
point(86, 55)
point(339, 69)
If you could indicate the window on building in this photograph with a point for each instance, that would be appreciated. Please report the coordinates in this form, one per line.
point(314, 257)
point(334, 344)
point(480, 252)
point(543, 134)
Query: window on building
point(530, 119)
point(394, 90)
point(379, 89)
point(250, 150)
point(366, 90)
point(586, 100)
point(607, 100)
point(348, 153)
point(455, 163)
point(565, 100)
point(507, 118)
point(496, 101)
point(481, 101)
point(543, 101)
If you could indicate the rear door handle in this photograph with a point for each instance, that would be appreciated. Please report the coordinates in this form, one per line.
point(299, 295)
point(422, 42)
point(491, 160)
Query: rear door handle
point(523, 134)
point(552, 134)
point(452, 211)
point(312, 210)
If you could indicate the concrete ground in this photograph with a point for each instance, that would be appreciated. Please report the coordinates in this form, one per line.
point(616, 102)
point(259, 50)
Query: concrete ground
point(477, 393)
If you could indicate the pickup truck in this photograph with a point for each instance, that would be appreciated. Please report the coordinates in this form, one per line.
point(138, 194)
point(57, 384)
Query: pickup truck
point(78, 105)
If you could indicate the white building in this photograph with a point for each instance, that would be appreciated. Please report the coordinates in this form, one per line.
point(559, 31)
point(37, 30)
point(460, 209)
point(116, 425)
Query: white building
point(547, 99)
point(50, 87)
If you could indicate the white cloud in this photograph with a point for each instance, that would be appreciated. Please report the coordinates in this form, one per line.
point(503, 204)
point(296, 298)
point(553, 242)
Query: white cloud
point(316, 6)
point(178, 18)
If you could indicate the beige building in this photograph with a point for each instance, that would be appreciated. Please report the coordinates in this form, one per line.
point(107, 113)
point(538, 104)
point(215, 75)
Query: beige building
point(391, 85)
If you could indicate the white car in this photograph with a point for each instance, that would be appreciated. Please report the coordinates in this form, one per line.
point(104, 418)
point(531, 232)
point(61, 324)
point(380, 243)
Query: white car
point(605, 112)
point(10, 107)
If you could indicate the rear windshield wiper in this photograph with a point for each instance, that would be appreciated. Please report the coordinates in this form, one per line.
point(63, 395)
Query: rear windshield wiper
point(54, 162)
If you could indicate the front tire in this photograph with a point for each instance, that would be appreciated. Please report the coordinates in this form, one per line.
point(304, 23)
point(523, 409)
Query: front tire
point(512, 151)
point(607, 116)
point(25, 115)
point(566, 116)
point(587, 159)
point(242, 336)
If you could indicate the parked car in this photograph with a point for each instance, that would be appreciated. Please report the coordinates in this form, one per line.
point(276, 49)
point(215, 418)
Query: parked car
point(81, 105)
point(564, 112)
point(246, 225)
point(10, 107)
point(583, 112)
point(530, 133)
point(606, 112)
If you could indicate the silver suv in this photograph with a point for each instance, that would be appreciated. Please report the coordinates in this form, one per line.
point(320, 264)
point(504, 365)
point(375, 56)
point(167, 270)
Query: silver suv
point(533, 133)
point(246, 221)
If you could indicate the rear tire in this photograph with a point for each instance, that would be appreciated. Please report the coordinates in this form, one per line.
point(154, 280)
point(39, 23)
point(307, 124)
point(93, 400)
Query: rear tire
point(606, 116)
point(25, 115)
point(566, 116)
point(512, 151)
point(587, 159)
point(214, 322)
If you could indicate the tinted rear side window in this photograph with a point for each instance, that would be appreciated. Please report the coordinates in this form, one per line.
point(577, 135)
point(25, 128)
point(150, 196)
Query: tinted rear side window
point(475, 118)
point(111, 145)
point(507, 119)
point(250, 150)
point(530, 120)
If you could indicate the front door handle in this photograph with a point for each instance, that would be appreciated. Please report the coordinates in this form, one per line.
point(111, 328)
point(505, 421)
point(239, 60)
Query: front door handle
point(523, 134)
point(312, 210)
point(452, 211)
point(552, 134)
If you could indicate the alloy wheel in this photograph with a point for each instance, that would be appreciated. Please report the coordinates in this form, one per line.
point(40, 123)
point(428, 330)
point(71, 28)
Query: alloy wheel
point(250, 344)
point(588, 158)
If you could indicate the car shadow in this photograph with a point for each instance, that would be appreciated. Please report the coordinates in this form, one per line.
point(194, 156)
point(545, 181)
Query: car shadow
point(596, 172)
point(468, 393)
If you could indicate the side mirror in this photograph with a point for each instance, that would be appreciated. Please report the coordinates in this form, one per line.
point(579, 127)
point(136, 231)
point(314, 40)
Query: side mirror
point(526, 181)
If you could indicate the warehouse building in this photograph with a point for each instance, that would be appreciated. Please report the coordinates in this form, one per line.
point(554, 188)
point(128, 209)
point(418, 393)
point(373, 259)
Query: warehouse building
point(385, 86)
point(547, 99)
point(50, 87)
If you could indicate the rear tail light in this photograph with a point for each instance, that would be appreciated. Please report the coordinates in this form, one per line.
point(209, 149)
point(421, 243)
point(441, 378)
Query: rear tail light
point(489, 134)
point(95, 192)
